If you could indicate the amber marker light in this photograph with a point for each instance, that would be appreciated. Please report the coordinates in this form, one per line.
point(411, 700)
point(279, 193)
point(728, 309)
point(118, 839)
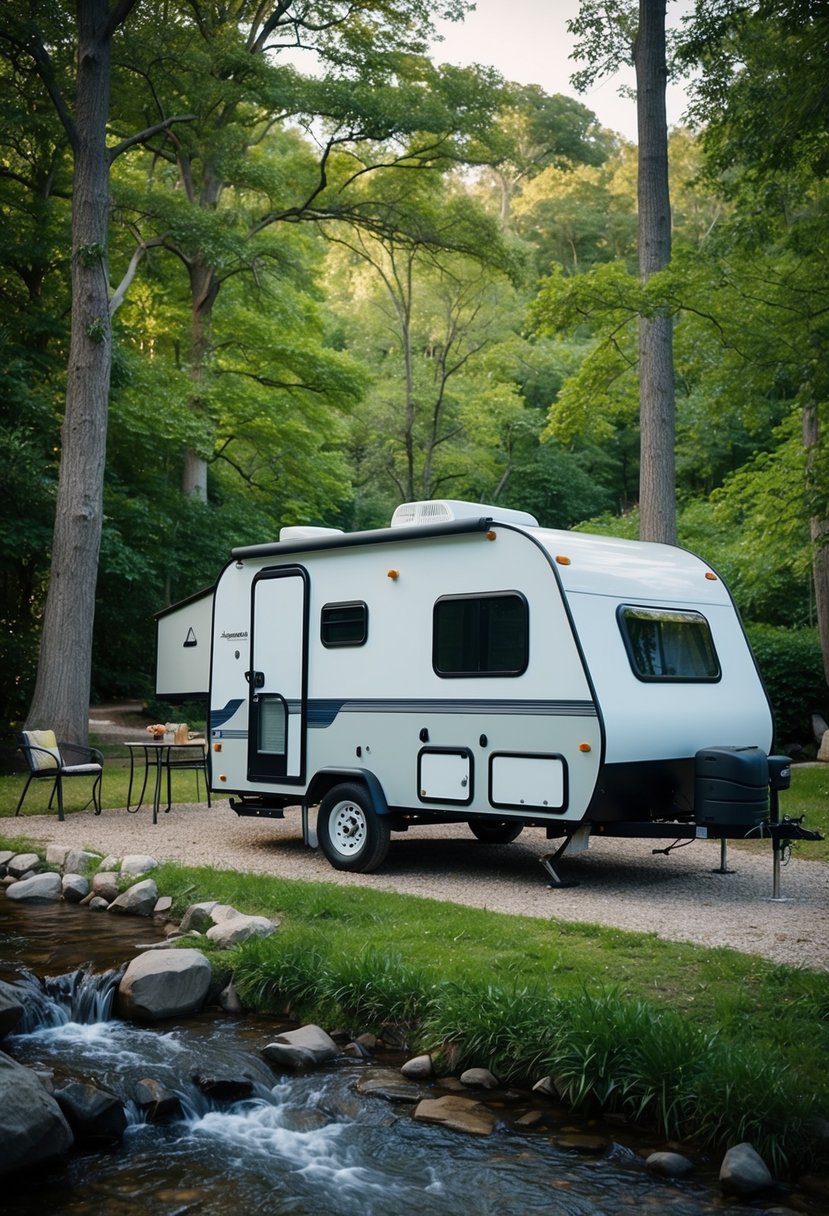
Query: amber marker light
point(562, 560)
point(393, 573)
point(223, 776)
point(217, 747)
point(491, 535)
point(711, 577)
point(585, 747)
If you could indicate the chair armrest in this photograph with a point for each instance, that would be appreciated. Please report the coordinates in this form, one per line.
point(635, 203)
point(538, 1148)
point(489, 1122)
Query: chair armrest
point(74, 752)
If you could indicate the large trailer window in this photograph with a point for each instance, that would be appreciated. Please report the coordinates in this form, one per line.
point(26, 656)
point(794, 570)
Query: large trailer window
point(668, 644)
point(344, 624)
point(481, 635)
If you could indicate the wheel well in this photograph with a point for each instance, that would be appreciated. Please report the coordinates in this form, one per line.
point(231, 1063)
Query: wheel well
point(326, 779)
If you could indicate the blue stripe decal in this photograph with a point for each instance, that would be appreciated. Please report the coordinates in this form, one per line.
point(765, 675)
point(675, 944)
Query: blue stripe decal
point(321, 713)
point(218, 717)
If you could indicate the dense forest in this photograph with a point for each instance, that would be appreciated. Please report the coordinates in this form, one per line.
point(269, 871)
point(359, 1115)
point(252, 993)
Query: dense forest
point(327, 292)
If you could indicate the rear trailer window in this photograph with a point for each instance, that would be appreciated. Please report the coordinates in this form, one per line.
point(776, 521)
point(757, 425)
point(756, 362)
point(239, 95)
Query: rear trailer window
point(668, 644)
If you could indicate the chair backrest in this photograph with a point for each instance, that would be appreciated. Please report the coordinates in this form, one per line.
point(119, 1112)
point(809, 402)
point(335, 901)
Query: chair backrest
point(41, 749)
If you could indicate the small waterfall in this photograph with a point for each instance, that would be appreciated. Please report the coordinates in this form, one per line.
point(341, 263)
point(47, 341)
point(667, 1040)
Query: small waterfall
point(80, 996)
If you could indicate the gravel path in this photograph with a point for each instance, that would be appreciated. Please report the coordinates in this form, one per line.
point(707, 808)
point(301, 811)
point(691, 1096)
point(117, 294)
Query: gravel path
point(621, 883)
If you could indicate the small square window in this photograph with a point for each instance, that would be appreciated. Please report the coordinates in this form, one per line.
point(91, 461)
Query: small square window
point(344, 624)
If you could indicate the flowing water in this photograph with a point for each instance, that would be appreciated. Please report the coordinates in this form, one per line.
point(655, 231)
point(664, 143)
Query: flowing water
point(298, 1146)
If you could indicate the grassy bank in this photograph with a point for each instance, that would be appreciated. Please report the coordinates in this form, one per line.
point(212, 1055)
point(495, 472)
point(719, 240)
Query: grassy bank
point(710, 1045)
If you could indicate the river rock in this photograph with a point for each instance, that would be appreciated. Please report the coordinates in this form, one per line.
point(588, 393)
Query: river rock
point(744, 1172)
point(419, 1068)
point(164, 984)
point(39, 889)
point(56, 855)
point(823, 750)
point(79, 860)
point(32, 1125)
point(110, 862)
point(11, 1007)
point(21, 863)
point(5, 857)
point(95, 1115)
point(75, 888)
point(136, 864)
point(98, 904)
point(229, 999)
point(138, 900)
point(307, 1047)
point(197, 917)
point(237, 929)
point(224, 1089)
point(155, 1102)
point(669, 1165)
point(105, 884)
point(386, 1083)
point(163, 905)
point(479, 1078)
point(458, 1113)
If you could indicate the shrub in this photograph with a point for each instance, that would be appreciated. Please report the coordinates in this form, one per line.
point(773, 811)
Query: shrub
point(791, 665)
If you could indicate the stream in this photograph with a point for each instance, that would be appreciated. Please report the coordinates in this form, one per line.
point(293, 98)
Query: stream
point(305, 1145)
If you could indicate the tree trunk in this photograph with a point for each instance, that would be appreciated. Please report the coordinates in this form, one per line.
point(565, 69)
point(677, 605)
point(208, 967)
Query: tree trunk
point(204, 287)
point(657, 478)
point(61, 696)
point(819, 529)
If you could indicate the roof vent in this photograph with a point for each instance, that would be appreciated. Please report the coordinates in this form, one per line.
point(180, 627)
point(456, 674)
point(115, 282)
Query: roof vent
point(307, 532)
point(444, 510)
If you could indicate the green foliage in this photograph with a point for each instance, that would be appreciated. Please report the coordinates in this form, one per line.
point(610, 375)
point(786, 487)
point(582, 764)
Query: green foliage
point(792, 669)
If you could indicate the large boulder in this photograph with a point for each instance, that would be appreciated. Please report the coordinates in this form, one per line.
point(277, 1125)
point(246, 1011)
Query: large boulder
point(75, 888)
point(164, 984)
point(32, 1126)
point(105, 884)
point(95, 1115)
point(307, 1047)
point(78, 861)
point(39, 889)
point(138, 900)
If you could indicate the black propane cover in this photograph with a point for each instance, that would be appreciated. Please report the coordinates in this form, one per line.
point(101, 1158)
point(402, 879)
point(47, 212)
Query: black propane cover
point(731, 789)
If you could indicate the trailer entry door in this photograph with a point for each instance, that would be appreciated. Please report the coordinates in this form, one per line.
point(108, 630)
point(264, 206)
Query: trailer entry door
point(278, 675)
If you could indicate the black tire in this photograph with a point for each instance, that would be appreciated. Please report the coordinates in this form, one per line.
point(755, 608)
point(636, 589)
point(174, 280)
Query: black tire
point(496, 831)
point(350, 832)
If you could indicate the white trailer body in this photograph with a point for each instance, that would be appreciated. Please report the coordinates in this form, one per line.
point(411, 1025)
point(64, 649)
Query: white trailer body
point(470, 665)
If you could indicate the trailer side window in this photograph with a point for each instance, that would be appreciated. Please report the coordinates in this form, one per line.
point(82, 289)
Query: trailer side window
point(481, 635)
point(668, 644)
point(344, 624)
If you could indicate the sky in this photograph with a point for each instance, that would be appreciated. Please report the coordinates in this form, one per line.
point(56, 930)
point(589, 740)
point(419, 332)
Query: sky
point(527, 41)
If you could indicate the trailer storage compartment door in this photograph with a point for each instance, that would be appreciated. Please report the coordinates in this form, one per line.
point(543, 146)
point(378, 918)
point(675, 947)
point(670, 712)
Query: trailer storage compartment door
point(182, 670)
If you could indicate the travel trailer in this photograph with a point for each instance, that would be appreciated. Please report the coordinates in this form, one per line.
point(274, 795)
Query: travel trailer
point(465, 664)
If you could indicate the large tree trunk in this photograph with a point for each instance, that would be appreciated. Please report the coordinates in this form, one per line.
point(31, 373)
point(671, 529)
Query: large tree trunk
point(204, 288)
point(61, 696)
point(657, 478)
point(819, 528)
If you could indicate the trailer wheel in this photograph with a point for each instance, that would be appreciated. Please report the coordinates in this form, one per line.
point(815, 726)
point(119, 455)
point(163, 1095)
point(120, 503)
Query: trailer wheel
point(498, 831)
point(351, 833)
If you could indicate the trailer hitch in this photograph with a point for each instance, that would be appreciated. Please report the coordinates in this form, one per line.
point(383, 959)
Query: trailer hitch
point(788, 828)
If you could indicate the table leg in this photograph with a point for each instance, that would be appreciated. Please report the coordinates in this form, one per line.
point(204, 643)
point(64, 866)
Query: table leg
point(158, 768)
